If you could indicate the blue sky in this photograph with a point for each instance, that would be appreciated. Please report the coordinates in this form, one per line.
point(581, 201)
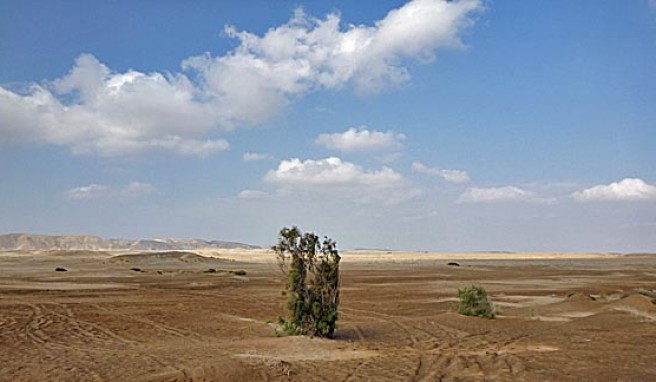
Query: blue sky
point(425, 125)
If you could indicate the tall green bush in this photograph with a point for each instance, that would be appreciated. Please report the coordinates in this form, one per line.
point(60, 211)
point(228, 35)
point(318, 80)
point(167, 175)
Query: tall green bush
point(474, 302)
point(311, 267)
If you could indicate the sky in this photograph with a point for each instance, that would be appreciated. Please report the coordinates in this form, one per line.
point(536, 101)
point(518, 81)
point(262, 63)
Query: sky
point(423, 125)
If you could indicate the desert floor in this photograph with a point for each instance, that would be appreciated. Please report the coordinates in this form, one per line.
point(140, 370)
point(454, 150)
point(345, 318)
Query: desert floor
point(578, 317)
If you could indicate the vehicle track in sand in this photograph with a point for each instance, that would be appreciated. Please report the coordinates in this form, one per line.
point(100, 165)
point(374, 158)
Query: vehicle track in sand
point(78, 347)
point(447, 354)
point(159, 327)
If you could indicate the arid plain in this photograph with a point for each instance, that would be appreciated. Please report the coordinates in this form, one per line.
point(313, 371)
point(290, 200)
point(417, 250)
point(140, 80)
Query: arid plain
point(191, 316)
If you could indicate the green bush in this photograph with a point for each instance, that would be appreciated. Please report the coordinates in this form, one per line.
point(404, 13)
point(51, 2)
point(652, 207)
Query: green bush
point(239, 273)
point(311, 267)
point(474, 302)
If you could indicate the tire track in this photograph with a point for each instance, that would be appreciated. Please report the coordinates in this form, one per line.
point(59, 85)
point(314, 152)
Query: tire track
point(51, 317)
point(84, 330)
point(170, 330)
point(451, 354)
point(36, 331)
point(354, 372)
point(90, 343)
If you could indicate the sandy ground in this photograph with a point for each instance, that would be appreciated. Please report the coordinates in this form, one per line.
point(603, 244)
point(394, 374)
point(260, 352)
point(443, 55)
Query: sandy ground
point(167, 317)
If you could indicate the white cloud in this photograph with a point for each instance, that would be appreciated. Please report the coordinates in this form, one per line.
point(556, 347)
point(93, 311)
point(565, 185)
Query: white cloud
point(253, 195)
point(111, 114)
point(361, 140)
point(333, 176)
point(308, 53)
point(97, 191)
point(92, 191)
point(501, 195)
point(94, 110)
point(329, 171)
point(629, 189)
point(453, 176)
point(252, 157)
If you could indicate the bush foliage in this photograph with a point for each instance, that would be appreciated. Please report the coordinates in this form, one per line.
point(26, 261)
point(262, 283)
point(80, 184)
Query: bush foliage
point(311, 267)
point(474, 302)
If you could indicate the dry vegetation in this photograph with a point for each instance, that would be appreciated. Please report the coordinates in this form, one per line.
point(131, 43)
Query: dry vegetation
point(558, 319)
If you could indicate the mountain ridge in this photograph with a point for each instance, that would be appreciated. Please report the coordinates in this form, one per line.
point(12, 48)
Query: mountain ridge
point(27, 241)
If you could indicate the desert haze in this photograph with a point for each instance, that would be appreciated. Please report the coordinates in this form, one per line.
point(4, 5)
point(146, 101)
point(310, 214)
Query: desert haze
point(206, 315)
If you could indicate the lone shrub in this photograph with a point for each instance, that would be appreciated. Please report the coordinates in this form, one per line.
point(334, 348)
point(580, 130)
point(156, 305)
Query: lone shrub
point(474, 302)
point(311, 267)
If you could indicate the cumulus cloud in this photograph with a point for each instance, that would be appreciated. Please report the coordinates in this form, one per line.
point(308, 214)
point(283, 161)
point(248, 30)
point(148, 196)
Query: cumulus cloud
point(453, 176)
point(110, 114)
point(361, 139)
point(94, 110)
point(501, 195)
point(97, 191)
point(252, 157)
point(329, 171)
point(309, 53)
point(629, 189)
point(333, 176)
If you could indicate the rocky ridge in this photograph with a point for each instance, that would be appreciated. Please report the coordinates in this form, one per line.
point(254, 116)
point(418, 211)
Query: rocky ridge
point(26, 242)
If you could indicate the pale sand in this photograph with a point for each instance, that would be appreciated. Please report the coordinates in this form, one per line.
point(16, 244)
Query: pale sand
point(264, 256)
point(561, 317)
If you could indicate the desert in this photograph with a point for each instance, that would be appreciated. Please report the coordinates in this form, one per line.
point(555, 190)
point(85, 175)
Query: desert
point(295, 190)
point(208, 315)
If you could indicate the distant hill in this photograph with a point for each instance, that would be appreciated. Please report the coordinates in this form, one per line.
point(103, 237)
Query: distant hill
point(23, 241)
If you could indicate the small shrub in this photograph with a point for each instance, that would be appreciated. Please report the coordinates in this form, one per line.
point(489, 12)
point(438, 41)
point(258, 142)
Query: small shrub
point(474, 302)
point(240, 272)
point(60, 269)
point(211, 270)
point(136, 269)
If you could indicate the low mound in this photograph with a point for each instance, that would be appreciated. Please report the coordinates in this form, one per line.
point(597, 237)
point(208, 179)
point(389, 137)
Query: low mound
point(158, 257)
point(575, 306)
point(76, 253)
point(579, 298)
point(636, 301)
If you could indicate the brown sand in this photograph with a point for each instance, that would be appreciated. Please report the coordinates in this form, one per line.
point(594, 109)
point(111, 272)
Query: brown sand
point(562, 317)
